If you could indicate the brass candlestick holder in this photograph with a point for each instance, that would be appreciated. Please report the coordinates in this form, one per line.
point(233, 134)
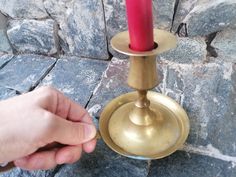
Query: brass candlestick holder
point(144, 124)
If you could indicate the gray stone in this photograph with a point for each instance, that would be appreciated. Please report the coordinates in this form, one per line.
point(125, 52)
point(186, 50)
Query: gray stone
point(115, 16)
point(32, 36)
point(3, 21)
point(4, 59)
point(207, 93)
point(82, 27)
point(23, 9)
point(182, 164)
point(76, 77)
point(104, 163)
point(163, 13)
point(225, 45)
point(23, 173)
point(6, 93)
point(115, 13)
point(24, 72)
point(113, 84)
point(222, 129)
point(188, 50)
point(4, 43)
point(210, 16)
point(184, 7)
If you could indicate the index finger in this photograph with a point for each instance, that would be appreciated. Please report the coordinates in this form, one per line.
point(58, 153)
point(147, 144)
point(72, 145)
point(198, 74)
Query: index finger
point(75, 112)
point(57, 103)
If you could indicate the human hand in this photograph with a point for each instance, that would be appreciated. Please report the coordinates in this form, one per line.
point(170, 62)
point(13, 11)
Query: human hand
point(40, 118)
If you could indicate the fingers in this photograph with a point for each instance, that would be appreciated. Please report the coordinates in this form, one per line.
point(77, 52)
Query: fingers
point(49, 159)
point(62, 105)
point(68, 154)
point(74, 111)
point(71, 133)
point(39, 160)
point(89, 146)
point(86, 118)
point(57, 103)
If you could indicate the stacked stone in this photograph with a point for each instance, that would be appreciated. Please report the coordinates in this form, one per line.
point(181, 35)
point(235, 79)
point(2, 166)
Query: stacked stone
point(50, 28)
point(73, 27)
point(200, 74)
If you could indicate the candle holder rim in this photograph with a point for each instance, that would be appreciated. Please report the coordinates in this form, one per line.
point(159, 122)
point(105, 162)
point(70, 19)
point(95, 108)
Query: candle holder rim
point(165, 41)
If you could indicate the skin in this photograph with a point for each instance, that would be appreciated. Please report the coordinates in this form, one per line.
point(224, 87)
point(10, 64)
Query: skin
point(43, 128)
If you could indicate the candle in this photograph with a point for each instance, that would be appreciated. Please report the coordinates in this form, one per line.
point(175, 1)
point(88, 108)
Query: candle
point(140, 24)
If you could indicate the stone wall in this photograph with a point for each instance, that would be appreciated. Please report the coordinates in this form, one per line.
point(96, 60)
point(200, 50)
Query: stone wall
point(200, 73)
point(84, 28)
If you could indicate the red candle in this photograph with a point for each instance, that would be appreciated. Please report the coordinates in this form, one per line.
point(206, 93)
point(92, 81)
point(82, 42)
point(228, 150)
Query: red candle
point(140, 24)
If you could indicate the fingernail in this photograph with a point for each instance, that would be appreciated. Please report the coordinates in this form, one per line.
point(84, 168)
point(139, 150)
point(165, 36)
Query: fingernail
point(89, 131)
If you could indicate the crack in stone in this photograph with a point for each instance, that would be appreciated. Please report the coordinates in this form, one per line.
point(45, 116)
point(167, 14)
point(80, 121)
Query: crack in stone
point(180, 32)
point(13, 89)
point(149, 167)
point(56, 170)
point(211, 51)
point(56, 38)
point(209, 151)
point(5, 31)
point(49, 15)
point(55, 34)
point(97, 87)
point(4, 64)
point(88, 101)
point(174, 14)
point(106, 33)
point(90, 58)
point(32, 87)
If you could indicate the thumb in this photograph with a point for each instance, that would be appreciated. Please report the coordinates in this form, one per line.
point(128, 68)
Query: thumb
point(73, 133)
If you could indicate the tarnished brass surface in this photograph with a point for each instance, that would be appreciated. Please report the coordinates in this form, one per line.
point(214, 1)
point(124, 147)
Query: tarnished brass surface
point(163, 135)
point(142, 72)
point(164, 39)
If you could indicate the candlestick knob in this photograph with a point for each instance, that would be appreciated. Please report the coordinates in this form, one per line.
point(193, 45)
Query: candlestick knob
point(144, 124)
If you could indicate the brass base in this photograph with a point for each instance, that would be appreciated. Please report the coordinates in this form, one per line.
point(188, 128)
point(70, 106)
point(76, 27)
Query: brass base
point(163, 136)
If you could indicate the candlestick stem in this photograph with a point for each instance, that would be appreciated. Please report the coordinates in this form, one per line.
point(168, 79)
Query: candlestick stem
point(141, 114)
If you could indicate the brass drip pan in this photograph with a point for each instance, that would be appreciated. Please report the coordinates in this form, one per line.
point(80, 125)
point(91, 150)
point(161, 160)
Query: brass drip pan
point(168, 135)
